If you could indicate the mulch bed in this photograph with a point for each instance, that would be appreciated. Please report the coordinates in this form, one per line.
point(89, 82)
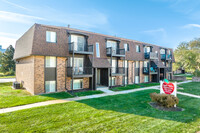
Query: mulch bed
point(162, 108)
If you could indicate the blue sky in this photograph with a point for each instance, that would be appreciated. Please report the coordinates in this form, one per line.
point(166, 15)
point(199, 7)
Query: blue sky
point(160, 22)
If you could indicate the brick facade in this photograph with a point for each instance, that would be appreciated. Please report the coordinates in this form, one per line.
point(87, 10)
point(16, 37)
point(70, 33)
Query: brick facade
point(141, 72)
point(61, 73)
point(25, 73)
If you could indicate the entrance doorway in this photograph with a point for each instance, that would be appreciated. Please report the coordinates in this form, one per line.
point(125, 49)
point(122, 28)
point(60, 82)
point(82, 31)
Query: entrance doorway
point(162, 74)
point(102, 77)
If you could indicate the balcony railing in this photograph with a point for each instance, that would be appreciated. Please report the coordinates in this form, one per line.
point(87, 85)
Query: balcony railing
point(169, 57)
point(115, 52)
point(153, 70)
point(163, 56)
point(145, 70)
point(151, 55)
point(169, 69)
point(79, 71)
point(118, 71)
point(80, 48)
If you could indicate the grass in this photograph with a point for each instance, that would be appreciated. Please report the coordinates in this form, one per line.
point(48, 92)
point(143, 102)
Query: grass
point(119, 113)
point(11, 98)
point(192, 88)
point(134, 86)
point(3, 77)
point(6, 76)
point(188, 76)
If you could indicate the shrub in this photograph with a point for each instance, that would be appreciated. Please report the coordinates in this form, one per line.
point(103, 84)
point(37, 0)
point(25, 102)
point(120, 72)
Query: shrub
point(196, 73)
point(10, 73)
point(165, 100)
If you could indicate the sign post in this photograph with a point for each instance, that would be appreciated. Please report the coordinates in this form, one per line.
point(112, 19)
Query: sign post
point(168, 88)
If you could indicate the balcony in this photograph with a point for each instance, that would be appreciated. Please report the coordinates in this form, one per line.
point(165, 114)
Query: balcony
point(80, 48)
point(151, 55)
point(117, 71)
point(145, 70)
point(153, 70)
point(169, 69)
point(169, 57)
point(115, 52)
point(163, 56)
point(79, 72)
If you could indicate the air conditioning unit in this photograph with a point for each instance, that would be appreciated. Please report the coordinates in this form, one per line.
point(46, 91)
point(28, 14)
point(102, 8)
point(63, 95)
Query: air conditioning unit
point(16, 85)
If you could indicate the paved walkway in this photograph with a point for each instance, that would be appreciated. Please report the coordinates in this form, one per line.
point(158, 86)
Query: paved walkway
point(4, 80)
point(11, 109)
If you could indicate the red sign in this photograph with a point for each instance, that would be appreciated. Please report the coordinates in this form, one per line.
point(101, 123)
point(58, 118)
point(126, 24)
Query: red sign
point(168, 88)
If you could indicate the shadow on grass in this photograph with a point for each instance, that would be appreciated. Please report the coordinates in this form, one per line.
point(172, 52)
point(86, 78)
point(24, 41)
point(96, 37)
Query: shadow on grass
point(137, 103)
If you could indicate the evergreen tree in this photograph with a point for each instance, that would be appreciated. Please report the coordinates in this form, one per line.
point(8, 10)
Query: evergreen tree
point(7, 62)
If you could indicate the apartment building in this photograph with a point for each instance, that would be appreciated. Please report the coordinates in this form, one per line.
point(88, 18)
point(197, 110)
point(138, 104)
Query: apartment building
point(54, 59)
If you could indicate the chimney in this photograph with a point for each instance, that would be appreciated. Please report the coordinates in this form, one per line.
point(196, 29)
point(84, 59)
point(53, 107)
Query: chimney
point(68, 26)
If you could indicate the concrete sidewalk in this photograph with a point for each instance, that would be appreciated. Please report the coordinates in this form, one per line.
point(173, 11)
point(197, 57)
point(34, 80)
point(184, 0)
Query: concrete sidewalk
point(11, 109)
point(4, 80)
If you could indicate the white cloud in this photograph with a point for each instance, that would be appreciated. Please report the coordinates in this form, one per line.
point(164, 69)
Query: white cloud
point(6, 41)
point(189, 26)
point(16, 5)
point(9, 35)
point(16, 17)
point(162, 30)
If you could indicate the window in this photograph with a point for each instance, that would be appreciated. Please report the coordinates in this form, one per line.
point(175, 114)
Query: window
point(78, 65)
point(147, 49)
point(146, 79)
point(51, 36)
point(146, 63)
point(126, 64)
point(50, 61)
point(162, 51)
point(136, 79)
point(79, 42)
point(169, 76)
point(114, 65)
point(50, 86)
point(126, 47)
point(112, 44)
point(113, 81)
point(78, 84)
point(97, 50)
point(137, 48)
point(137, 64)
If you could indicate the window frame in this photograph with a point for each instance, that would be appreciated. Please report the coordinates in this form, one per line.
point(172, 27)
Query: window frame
point(145, 79)
point(49, 33)
point(50, 57)
point(50, 89)
point(138, 50)
point(127, 46)
point(81, 84)
point(98, 55)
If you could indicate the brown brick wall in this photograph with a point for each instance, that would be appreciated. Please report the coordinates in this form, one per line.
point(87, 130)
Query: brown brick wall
point(25, 73)
point(39, 74)
point(133, 72)
point(130, 72)
point(86, 83)
point(68, 83)
point(141, 72)
point(61, 65)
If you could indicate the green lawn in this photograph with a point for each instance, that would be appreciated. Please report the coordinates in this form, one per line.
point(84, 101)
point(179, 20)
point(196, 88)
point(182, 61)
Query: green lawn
point(10, 97)
point(119, 113)
point(2, 77)
point(134, 86)
point(192, 88)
